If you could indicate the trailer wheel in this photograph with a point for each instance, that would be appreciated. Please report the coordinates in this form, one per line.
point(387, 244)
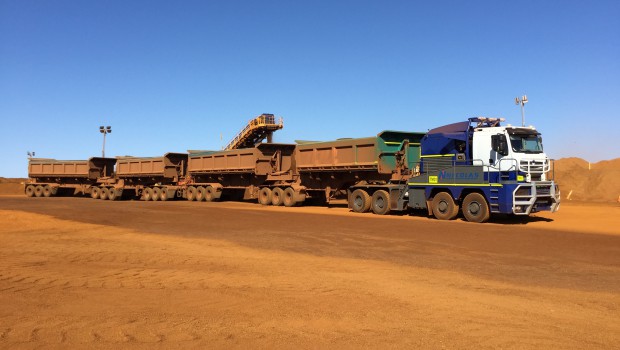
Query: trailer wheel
point(191, 193)
point(47, 191)
point(105, 193)
point(200, 194)
point(95, 193)
point(289, 197)
point(156, 194)
point(277, 196)
point(359, 201)
point(147, 194)
point(38, 191)
point(380, 202)
point(112, 194)
point(444, 207)
point(210, 194)
point(476, 208)
point(29, 191)
point(264, 196)
point(163, 194)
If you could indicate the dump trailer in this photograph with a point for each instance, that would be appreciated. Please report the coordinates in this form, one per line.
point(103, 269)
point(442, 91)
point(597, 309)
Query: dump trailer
point(357, 168)
point(49, 177)
point(150, 178)
point(238, 173)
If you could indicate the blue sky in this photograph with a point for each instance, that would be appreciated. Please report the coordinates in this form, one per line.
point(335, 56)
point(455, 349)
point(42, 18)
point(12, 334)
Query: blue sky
point(171, 76)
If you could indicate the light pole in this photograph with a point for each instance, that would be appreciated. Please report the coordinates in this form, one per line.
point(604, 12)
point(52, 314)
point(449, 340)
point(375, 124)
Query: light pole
point(104, 131)
point(522, 101)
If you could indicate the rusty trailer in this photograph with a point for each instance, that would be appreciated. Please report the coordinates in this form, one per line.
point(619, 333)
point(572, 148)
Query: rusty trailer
point(149, 178)
point(357, 168)
point(239, 173)
point(50, 177)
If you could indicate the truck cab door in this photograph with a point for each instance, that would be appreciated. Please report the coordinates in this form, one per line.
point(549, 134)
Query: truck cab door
point(499, 151)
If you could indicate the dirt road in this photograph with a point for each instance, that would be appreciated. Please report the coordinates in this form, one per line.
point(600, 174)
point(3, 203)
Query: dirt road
point(76, 272)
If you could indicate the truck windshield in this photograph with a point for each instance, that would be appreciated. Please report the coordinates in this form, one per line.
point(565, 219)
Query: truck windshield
point(526, 143)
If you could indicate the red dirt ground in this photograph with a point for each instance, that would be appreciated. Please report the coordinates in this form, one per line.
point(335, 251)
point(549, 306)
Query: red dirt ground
point(77, 272)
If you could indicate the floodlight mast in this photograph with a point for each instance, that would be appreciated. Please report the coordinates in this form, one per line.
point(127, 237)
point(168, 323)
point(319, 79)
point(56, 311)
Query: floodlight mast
point(104, 130)
point(522, 101)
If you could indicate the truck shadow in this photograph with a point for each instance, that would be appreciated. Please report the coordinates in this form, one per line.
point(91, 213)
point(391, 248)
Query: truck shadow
point(517, 219)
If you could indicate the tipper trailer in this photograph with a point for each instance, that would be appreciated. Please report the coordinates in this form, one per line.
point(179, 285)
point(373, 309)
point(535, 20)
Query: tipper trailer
point(240, 173)
point(49, 177)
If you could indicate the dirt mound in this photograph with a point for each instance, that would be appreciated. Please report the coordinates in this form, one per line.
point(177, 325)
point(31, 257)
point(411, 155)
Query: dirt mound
point(592, 182)
point(10, 186)
point(11, 180)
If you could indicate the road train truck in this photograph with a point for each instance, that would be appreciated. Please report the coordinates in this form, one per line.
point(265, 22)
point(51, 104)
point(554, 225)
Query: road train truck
point(478, 167)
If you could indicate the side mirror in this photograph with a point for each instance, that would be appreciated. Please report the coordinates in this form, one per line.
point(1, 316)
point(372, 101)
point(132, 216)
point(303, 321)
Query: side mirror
point(499, 144)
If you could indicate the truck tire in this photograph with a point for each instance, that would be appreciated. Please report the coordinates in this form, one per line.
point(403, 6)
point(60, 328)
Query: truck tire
point(277, 196)
point(29, 191)
point(476, 208)
point(156, 193)
point(264, 196)
point(47, 191)
point(112, 194)
point(163, 194)
point(289, 197)
point(380, 204)
point(210, 194)
point(147, 194)
point(200, 194)
point(105, 193)
point(95, 193)
point(38, 191)
point(359, 201)
point(444, 207)
point(191, 193)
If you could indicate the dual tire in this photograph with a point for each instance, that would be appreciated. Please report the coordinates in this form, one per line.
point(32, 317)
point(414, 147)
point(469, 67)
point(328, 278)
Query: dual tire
point(475, 207)
point(277, 196)
point(154, 194)
point(200, 193)
point(40, 191)
point(361, 202)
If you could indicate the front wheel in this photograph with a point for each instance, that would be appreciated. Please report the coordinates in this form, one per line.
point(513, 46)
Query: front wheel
point(476, 208)
point(444, 207)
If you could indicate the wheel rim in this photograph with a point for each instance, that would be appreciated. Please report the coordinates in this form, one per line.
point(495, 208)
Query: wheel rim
point(380, 203)
point(358, 201)
point(443, 207)
point(474, 208)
